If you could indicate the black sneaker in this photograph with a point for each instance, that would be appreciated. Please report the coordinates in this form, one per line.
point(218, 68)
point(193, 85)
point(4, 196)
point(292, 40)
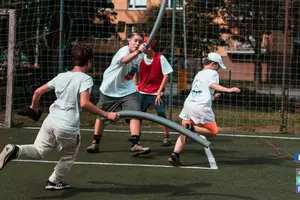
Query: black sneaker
point(174, 160)
point(8, 153)
point(56, 186)
point(190, 127)
point(138, 149)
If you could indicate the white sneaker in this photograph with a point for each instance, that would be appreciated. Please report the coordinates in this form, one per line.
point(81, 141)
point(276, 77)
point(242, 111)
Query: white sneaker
point(7, 155)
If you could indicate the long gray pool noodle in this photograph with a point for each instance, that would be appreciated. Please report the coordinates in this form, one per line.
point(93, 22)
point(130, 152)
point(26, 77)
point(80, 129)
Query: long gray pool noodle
point(165, 122)
point(157, 22)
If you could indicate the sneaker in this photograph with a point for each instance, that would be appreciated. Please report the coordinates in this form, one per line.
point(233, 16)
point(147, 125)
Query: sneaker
point(56, 186)
point(166, 142)
point(174, 160)
point(139, 150)
point(7, 154)
point(93, 148)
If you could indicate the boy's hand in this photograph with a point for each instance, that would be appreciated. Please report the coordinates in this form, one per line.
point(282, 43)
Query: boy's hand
point(234, 89)
point(142, 48)
point(113, 116)
point(33, 114)
point(158, 99)
point(217, 96)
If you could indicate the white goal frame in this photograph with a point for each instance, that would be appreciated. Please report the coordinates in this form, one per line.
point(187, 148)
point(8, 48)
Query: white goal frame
point(11, 13)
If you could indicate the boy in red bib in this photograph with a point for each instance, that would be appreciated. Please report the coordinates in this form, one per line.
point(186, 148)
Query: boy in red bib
point(151, 80)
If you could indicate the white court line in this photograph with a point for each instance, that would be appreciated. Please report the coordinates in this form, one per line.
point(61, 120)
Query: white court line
point(114, 164)
point(176, 133)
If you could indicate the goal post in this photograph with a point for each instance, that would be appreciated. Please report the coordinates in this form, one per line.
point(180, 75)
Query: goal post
point(11, 13)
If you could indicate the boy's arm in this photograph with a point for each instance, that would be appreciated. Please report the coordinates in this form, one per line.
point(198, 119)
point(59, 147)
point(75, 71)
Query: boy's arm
point(127, 59)
point(221, 88)
point(37, 95)
point(163, 83)
point(136, 80)
point(89, 106)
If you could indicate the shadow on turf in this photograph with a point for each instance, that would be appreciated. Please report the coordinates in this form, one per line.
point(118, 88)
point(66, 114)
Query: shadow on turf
point(129, 189)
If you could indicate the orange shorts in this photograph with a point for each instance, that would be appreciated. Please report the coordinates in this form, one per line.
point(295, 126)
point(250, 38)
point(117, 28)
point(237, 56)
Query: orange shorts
point(210, 126)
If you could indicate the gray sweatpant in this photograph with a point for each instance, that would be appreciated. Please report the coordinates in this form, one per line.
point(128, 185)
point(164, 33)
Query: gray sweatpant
point(48, 138)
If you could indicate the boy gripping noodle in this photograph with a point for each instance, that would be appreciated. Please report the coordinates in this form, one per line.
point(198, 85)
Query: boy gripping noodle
point(197, 114)
point(153, 75)
point(60, 129)
point(118, 92)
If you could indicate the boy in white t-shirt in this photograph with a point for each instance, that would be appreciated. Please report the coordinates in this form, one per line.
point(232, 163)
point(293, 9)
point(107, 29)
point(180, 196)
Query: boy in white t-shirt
point(151, 80)
point(60, 129)
point(118, 92)
point(197, 114)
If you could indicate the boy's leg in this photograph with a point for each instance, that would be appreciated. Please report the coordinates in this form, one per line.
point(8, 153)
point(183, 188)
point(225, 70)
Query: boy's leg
point(109, 104)
point(98, 131)
point(174, 157)
point(209, 129)
point(44, 142)
point(130, 102)
point(67, 145)
point(160, 109)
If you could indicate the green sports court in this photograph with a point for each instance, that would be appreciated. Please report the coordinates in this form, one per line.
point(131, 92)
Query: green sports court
point(250, 167)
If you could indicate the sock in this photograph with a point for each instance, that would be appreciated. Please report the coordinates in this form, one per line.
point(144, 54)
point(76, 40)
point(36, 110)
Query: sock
point(176, 153)
point(166, 135)
point(97, 138)
point(135, 140)
point(14, 154)
point(190, 127)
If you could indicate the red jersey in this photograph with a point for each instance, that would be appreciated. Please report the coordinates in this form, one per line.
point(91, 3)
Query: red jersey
point(150, 76)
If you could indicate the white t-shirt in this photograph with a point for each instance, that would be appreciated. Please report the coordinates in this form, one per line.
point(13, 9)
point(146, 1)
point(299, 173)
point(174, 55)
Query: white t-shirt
point(197, 106)
point(165, 65)
point(165, 68)
point(65, 110)
point(114, 82)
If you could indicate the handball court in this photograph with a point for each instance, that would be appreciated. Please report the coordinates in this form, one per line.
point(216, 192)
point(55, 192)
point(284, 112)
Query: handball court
point(248, 168)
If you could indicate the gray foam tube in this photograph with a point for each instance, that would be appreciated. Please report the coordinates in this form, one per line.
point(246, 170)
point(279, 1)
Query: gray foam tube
point(165, 122)
point(157, 22)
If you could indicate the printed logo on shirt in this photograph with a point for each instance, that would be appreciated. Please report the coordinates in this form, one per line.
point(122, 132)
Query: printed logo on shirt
point(131, 73)
point(197, 89)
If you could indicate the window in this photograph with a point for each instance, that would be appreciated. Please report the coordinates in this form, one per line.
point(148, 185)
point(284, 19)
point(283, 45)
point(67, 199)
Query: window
point(179, 4)
point(137, 4)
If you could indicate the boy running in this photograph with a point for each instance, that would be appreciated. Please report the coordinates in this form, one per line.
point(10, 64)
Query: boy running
point(60, 129)
point(197, 114)
point(118, 92)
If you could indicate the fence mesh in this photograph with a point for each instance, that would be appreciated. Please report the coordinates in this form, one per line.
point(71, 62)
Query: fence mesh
point(259, 41)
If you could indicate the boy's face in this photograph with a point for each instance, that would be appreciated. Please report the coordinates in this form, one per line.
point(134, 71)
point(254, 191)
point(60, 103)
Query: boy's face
point(216, 66)
point(134, 42)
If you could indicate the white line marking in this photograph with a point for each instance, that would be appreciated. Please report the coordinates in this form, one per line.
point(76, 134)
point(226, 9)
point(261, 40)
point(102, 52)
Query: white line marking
point(176, 133)
point(113, 164)
point(211, 158)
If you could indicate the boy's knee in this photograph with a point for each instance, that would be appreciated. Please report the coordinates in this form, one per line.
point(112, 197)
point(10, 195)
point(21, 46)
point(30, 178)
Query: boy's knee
point(215, 131)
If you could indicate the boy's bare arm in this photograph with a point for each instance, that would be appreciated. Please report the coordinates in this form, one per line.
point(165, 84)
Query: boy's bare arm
point(37, 95)
point(163, 83)
point(131, 56)
point(136, 81)
point(89, 106)
point(221, 88)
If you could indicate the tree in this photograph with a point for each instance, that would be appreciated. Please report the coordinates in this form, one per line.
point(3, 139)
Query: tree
point(201, 30)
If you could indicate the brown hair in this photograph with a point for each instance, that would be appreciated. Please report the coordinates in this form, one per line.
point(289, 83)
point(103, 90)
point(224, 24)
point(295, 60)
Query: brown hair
point(207, 61)
point(81, 54)
point(140, 33)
